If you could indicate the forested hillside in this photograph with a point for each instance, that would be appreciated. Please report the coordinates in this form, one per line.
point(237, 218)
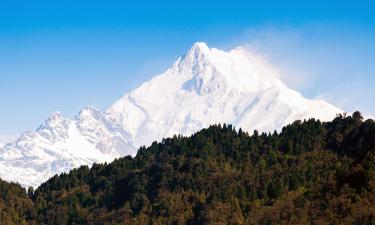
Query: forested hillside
point(310, 173)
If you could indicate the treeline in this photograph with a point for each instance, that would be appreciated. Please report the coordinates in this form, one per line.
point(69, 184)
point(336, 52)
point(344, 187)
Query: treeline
point(310, 173)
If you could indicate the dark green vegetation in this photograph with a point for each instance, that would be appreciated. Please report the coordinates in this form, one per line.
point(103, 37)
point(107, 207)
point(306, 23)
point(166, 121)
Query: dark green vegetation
point(310, 173)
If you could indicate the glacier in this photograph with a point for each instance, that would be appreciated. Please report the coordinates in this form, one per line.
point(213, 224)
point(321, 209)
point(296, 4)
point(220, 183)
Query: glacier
point(204, 86)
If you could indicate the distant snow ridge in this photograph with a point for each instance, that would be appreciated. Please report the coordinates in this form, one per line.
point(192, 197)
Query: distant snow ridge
point(205, 86)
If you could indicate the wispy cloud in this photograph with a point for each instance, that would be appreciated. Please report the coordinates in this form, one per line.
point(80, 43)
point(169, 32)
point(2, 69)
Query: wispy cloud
point(321, 61)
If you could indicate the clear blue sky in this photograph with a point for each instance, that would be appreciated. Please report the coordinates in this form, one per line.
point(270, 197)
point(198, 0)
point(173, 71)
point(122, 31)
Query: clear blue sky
point(65, 55)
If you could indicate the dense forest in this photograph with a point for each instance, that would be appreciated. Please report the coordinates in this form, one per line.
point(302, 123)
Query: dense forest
point(309, 173)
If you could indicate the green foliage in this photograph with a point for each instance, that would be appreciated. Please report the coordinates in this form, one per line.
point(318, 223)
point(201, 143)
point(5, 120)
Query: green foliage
point(310, 173)
point(15, 207)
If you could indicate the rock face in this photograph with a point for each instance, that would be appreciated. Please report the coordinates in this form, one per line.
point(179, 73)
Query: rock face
point(205, 86)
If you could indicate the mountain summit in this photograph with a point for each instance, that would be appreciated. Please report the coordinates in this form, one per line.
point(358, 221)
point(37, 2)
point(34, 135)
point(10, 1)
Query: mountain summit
point(203, 87)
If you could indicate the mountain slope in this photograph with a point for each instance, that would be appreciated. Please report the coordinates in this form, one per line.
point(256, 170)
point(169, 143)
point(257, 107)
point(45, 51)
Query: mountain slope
point(310, 173)
point(205, 86)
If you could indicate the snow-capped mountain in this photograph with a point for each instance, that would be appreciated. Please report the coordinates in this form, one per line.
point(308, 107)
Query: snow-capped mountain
point(205, 86)
point(61, 144)
point(208, 86)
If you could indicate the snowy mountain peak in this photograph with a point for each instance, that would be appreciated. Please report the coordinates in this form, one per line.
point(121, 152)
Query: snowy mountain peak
point(205, 86)
point(55, 117)
point(89, 111)
point(196, 58)
point(53, 120)
point(206, 70)
point(198, 49)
